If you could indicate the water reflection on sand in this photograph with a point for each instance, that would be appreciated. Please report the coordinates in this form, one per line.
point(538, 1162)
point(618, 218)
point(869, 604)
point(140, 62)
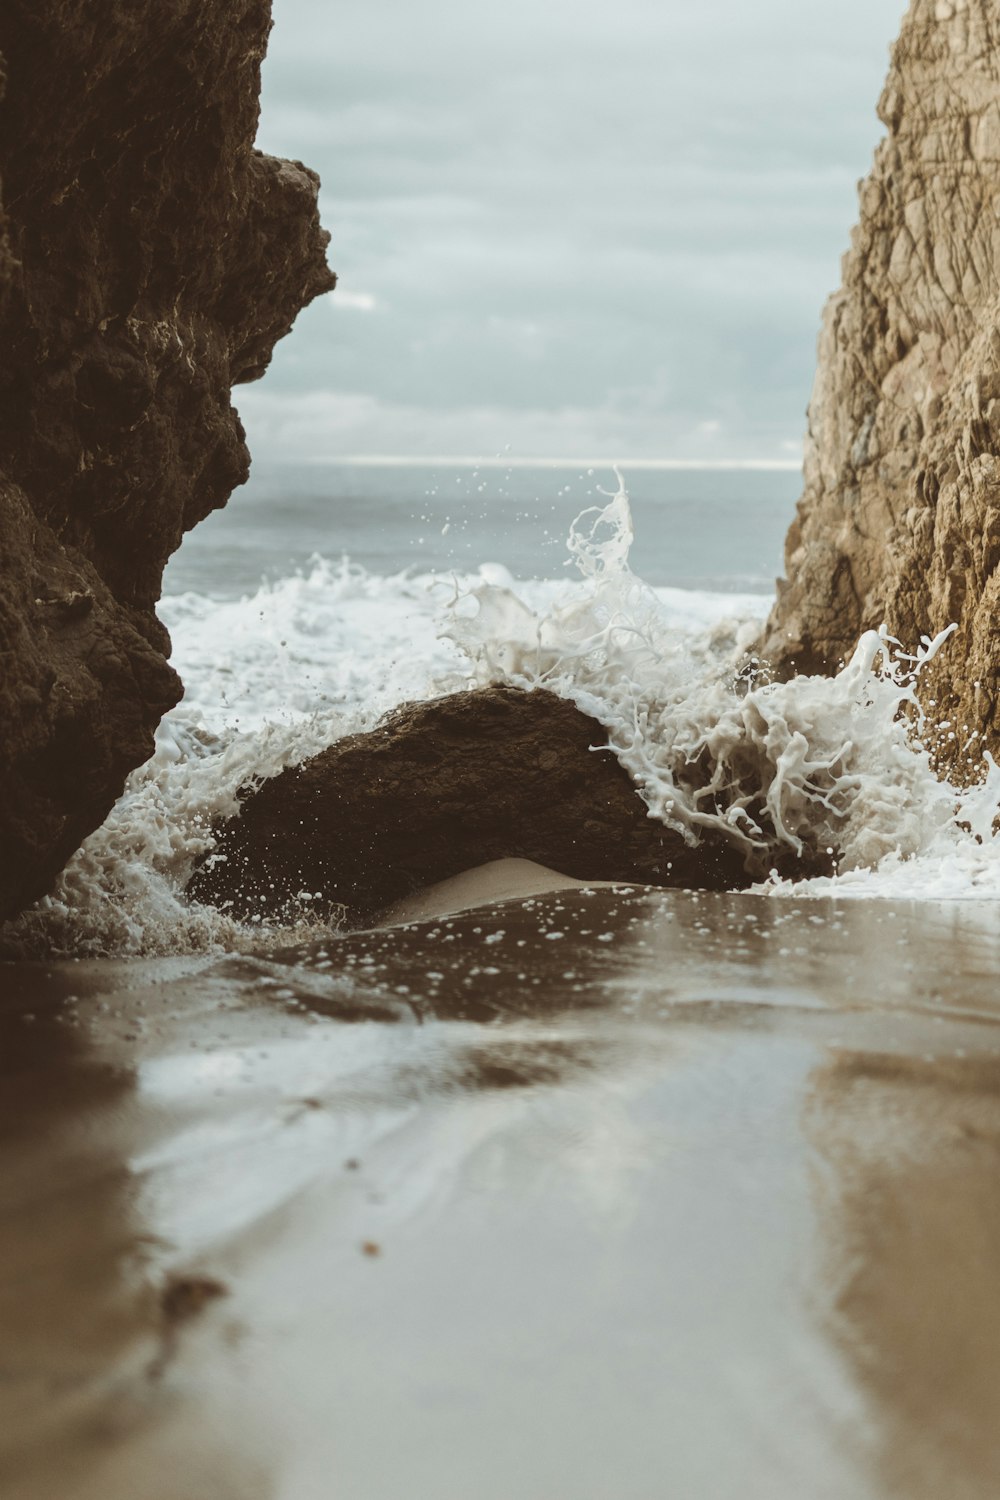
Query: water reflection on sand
point(913, 1217)
point(589, 1194)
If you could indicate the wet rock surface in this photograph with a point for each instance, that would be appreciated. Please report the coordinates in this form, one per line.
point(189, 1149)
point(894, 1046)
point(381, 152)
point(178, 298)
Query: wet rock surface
point(438, 788)
point(900, 518)
point(149, 260)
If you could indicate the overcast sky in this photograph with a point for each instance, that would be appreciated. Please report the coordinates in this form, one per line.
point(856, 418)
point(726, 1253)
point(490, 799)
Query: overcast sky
point(577, 229)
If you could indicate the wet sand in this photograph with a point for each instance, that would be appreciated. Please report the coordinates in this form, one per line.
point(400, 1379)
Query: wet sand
point(498, 880)
point(588, 1193)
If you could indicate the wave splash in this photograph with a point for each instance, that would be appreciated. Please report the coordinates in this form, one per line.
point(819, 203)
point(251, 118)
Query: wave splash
point(269, 680)
point(820, 772)
point(826, 770)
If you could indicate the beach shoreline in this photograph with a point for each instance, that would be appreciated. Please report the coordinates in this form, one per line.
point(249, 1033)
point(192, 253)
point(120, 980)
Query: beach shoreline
point(686, 1160)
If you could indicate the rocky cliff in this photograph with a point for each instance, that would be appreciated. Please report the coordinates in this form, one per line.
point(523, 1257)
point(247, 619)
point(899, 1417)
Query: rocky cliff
point(149, 260)
point(900, 517)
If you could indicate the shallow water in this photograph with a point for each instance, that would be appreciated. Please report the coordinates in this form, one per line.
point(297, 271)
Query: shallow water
point(586, 1194)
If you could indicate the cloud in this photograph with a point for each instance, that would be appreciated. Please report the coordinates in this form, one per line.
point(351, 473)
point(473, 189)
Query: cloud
point(342, 424)
point(629, 213)
point(354, 301)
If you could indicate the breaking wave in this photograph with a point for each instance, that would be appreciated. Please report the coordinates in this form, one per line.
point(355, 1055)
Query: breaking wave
point(832, 770)
point(829, 774)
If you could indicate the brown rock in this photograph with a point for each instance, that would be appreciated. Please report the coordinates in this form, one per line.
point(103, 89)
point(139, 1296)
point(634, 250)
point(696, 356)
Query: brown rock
point(149, 260)
point(900, 518)
point(439, 788)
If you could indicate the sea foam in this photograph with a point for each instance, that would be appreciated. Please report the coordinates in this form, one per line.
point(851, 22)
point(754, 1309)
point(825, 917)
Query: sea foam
point(817, 765)
point(793, 768)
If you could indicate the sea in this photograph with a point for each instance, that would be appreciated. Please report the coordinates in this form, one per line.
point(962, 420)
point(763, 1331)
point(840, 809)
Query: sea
point(702, 531)
point(324, 595)
point(581, 1191)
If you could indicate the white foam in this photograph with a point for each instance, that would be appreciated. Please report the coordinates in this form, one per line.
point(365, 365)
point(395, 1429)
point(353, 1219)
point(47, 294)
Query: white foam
point(269, 679)
point(274, 677)
point(810, 765)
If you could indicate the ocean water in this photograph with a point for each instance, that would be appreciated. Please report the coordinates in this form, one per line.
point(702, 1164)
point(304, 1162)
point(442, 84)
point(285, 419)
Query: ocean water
point(323, 596)
point(715, 531)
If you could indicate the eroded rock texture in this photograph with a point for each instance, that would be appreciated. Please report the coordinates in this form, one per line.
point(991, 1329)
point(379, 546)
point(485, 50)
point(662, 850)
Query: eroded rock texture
point(439, 788)
point(149, 260)
point(900, 518)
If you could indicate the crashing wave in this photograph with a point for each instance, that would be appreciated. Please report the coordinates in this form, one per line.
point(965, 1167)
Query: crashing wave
point(836, 766)
point(834, 772)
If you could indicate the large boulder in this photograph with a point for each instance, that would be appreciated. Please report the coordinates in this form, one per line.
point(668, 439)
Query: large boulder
point(438, 788)
point(149, 260)
point(900, 517)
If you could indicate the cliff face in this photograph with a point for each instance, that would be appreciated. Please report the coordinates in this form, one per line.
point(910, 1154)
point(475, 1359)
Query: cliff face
point(900, 517)
point(149, 260)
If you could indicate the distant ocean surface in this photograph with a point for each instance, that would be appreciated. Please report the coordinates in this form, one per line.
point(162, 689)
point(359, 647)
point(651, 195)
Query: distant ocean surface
point(719, 531)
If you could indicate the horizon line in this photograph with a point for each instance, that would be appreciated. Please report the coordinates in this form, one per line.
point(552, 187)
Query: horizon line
point(507, 461)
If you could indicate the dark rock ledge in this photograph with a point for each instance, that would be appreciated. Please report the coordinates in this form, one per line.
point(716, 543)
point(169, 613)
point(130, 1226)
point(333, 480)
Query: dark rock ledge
point(438, 788)
point(149, 260)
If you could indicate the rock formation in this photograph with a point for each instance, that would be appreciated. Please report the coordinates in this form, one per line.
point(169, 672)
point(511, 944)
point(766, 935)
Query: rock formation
point(900, 517)
point(149, 260)
point(441, 787)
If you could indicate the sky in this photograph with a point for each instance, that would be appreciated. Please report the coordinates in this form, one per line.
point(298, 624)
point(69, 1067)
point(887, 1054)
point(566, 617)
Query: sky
point(567, 229)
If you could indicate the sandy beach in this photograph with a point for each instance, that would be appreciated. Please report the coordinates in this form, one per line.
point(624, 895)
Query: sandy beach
point(585, 1192)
